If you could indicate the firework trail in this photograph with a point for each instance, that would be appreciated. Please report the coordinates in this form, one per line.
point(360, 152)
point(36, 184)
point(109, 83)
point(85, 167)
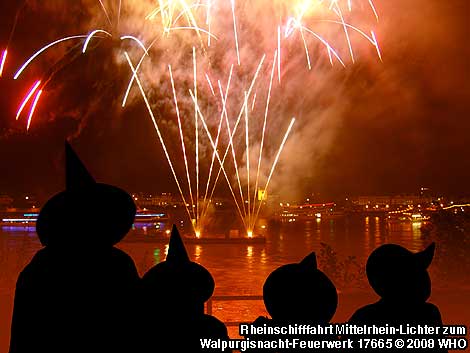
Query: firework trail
point(276, 160)
point(235, 31)
point(10, 37)
point(203, 120)
point(247, 141)
point(2, 61)
point(33, 108)
point(42, 50)
point(231, 145)
point(146, 54)
point(222, 115)
point(157, 129)
point(196, 132)
point(183, 146)
point(105, 12)
point(27, 98)
point(263, 133)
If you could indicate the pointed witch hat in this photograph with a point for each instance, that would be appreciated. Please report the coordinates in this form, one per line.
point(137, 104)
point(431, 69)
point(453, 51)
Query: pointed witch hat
point(176, 251)
point(300, 291)
point(392, 266)
point(87, 213)
point(76, 175)
point(178, 278)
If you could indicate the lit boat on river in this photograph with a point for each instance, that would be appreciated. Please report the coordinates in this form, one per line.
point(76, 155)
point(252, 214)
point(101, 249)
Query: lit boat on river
point(18, 219)
point(22, 219)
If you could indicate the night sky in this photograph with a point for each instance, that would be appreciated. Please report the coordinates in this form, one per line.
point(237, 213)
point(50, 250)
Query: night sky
point(403, 123)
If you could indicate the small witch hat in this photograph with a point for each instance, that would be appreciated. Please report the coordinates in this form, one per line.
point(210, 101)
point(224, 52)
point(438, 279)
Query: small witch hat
point(300, 291)
point(178, 278)
point(176, 251)
point(392, 268)
point(87, 213)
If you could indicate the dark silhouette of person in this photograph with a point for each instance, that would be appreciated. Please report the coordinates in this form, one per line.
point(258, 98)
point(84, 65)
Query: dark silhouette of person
point(173, 296)
point(78, 291)
point(401, 279)
point(298, 293)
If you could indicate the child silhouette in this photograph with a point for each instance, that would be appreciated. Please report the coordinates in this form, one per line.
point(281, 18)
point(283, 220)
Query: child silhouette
point(401, 279)
point(174, 292)
point(298, 293)
point(77, 293)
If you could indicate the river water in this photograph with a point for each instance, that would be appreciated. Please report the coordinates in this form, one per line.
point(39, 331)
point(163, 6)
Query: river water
point(240, 269)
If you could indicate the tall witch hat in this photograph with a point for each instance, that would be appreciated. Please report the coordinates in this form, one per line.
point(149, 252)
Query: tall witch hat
point(76, 174)
point(300, 291)
point(392, 269)
point(86, 213)
point(178, 278)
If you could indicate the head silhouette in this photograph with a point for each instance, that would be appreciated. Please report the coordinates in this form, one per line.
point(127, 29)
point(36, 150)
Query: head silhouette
point(86, 213)
point(184, 285)
point(397, 274)
point(300, 292)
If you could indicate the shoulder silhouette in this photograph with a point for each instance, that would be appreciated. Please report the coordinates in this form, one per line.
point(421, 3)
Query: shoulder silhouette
point(174, 292)
point(77, 293)
point(299, 293)
point(401, 279)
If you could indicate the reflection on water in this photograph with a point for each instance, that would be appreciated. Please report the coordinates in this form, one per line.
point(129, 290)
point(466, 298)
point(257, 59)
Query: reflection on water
point(239, 269)
point(233, 264)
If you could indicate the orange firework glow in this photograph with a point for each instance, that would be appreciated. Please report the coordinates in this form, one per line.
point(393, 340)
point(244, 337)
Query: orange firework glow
point(164, 34)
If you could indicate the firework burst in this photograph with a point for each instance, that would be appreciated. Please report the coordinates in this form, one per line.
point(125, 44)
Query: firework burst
point(205, 42)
